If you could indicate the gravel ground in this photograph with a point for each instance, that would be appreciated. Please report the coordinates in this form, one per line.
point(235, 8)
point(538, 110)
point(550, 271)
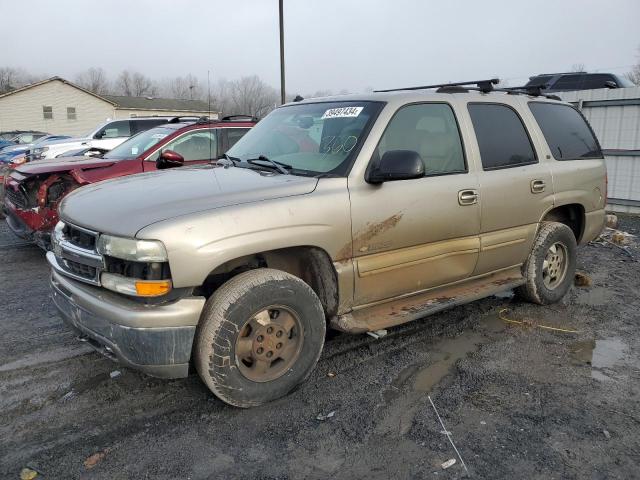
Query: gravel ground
point(519, 401)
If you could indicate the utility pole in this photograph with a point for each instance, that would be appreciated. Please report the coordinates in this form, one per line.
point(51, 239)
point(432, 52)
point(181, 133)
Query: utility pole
point(282, 89)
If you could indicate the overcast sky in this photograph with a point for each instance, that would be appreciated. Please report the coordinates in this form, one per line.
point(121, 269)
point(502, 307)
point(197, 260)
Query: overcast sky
point(330, 44)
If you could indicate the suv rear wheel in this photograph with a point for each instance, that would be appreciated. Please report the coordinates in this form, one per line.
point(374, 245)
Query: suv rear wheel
point(551, 265)
point(260, 335)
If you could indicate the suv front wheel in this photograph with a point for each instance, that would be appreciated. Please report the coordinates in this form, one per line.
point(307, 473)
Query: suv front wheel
point(260, 335)
point(551, 266)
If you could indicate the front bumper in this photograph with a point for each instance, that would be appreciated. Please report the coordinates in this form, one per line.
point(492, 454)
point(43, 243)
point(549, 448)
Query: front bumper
point(20, 228)
point(155, 339)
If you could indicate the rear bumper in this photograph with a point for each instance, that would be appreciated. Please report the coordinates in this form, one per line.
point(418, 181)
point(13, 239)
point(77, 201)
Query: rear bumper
point(120, 328)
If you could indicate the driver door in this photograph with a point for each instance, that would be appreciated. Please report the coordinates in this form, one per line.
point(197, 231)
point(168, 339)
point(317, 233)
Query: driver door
point(413, 235)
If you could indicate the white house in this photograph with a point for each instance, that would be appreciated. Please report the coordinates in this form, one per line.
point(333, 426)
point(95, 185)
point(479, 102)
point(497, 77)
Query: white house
point(58, 106)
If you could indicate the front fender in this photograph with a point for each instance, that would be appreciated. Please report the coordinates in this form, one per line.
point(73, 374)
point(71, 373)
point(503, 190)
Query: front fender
point(197, 244)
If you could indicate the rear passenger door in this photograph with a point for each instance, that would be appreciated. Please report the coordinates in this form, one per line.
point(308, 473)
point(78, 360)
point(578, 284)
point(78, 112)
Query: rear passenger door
point(515, 186)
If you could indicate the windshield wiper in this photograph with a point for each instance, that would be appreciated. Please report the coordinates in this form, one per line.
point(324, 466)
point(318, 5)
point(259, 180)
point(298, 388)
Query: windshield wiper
point(231, 159)
point(281, 167)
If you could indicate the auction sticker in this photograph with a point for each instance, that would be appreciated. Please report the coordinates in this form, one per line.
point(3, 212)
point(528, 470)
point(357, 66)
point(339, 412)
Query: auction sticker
point(342, 112)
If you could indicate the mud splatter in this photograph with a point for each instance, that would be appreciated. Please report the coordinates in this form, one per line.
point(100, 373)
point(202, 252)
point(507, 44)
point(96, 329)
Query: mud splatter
point(371, 231)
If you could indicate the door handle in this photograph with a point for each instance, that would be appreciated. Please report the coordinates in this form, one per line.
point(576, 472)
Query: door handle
point(538, 186)
point(467, 197)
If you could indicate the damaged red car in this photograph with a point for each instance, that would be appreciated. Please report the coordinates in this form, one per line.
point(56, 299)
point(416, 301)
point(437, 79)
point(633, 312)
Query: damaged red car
point(34, 190)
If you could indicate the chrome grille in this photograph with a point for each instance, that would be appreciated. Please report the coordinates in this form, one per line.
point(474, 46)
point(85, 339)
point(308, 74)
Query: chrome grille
point(76, 254)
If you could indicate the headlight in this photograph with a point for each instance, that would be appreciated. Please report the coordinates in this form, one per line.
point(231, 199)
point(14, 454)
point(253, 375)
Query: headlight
point(135, 286)
point(131, 249)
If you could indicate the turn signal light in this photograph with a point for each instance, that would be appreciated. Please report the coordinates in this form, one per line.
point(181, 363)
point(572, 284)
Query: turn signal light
point(147, 288)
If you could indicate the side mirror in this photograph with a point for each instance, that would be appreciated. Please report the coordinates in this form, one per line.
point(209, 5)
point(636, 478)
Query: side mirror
point(397, 165)
point(169, 159)
point(610, 84)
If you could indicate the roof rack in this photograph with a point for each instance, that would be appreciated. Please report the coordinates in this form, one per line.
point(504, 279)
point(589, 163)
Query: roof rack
point(484, 86)
point(185, 117)
point(239, 118)
point(533, 90)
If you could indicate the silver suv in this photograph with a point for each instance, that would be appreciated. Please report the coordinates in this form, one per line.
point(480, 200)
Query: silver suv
point(356, 212)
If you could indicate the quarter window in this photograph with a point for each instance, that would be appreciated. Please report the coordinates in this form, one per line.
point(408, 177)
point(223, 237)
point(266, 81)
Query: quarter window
point(502, 138)
point(566, 131)
point(431, 130)
point(47, 112)
point(71, 113)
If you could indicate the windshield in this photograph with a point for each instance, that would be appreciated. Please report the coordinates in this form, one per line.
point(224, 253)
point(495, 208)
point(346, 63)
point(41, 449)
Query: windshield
point(313, 138)
point(138, 144)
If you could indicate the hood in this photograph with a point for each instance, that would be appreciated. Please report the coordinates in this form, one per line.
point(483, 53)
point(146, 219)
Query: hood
point(125, 205)
point(63, 141)
point(63, 164)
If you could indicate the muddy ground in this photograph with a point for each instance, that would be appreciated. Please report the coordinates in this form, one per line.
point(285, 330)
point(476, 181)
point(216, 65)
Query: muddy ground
point(520, 401)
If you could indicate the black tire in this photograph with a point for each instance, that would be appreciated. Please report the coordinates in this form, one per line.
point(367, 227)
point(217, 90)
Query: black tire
point(535, 290)
point(225, 314)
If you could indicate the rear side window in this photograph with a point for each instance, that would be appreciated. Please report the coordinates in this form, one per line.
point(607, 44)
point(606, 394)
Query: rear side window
point(566, 131)
point(115, 130)
point(501, 135)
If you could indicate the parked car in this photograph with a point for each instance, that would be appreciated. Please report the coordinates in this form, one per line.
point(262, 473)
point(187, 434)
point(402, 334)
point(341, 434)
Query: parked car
point(395, 206)
point(561, 82)
point(8, 154)
point(6, 143)
point(34, 190)
point(107, 136)
point(21, 136)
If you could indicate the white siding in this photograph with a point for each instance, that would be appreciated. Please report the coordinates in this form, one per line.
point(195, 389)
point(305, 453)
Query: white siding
point(617, 127)
point(23, 110)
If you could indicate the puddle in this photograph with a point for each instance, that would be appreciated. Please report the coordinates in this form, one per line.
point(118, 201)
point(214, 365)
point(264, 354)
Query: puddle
point(595, 296)
point(600, 354)
point(443, 358)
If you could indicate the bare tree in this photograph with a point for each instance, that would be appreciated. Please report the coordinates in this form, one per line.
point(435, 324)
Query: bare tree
point(135, 84)
point(247, 95)
point(187, 87)
point(93, 79)
point(578, 67)
point(634, 74)
point(12, 78)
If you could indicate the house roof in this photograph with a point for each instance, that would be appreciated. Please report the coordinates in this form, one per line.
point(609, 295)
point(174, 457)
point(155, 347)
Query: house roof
point(128, 103)
point(155, 103)
point(54, 79)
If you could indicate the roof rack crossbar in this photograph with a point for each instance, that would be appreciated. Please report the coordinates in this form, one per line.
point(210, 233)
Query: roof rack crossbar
point(180, 118)
point(239, 118)
point(483, 85)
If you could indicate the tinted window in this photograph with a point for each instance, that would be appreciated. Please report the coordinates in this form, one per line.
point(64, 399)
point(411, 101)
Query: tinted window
point(501, 136)
point(540, 80)
point(234, 134)
point(432, 131)
point(583, 82)
point(115, 130)
point(142, 125)
point(566, 132)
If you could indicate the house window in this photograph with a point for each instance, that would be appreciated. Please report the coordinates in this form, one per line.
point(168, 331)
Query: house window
point(71, 113)
point(47, 112)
